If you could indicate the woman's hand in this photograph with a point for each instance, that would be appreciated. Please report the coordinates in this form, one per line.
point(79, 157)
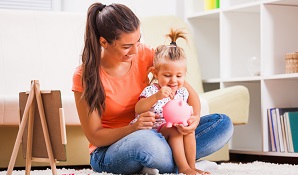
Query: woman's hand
point(193, 122)
point(145, 120)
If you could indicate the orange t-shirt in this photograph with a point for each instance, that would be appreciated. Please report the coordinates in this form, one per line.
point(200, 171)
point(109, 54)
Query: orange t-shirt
point(122, 93)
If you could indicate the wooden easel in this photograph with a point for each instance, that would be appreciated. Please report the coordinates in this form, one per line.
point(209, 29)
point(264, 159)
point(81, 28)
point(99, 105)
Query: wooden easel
point(35, 97)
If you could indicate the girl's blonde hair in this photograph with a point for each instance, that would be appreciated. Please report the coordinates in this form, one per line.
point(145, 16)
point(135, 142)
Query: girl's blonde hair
point(172, 52)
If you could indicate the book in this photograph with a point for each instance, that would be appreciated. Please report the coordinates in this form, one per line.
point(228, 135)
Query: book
point(281, 127)
point(279, 131)
point(271, 134)
point(293, 120)
point(281, 111)
point(274, 129)
point(288, 133)
point(283, 131)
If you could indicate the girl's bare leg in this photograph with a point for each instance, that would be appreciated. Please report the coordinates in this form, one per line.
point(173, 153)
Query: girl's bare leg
point(175, 140)
point(190, 149)
point(190, 152)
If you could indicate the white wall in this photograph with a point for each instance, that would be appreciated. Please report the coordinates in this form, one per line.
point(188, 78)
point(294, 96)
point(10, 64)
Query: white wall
point(142, 8)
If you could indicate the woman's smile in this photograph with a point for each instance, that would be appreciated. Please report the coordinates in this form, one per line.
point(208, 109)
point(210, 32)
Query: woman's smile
point(127, 57)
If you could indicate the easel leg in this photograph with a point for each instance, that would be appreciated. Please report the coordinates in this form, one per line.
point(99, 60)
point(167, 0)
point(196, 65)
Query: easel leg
point(45, 128)
point(20, 132)
point(30, 139)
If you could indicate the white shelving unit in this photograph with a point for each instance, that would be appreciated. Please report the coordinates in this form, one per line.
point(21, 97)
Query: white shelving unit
point(226, 38)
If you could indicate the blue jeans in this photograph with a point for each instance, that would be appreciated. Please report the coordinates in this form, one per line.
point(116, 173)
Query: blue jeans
point(150, 149)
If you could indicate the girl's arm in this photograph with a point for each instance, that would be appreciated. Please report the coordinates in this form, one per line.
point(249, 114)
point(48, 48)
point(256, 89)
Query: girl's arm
point(145, 104)
point(99, 136)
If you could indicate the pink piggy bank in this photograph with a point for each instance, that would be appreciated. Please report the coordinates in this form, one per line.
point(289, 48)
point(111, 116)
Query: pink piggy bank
point(177, 111)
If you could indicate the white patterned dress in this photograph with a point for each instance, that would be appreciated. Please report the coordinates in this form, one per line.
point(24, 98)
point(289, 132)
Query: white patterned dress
point(181, 93)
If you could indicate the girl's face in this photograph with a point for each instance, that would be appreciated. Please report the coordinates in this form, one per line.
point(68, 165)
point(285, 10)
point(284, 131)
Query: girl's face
point(124, 48)
point(171, 74)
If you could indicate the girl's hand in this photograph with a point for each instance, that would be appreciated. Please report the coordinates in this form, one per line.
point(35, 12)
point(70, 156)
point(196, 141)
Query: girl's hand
point(164, 92)
point(193, 122)
point(145, 120)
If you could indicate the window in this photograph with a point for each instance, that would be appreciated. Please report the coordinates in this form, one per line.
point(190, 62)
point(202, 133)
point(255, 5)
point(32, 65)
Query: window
point(45, 5)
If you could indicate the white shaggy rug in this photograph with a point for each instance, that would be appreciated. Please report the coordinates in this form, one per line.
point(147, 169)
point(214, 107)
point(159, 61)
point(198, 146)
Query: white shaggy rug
point(254, 168)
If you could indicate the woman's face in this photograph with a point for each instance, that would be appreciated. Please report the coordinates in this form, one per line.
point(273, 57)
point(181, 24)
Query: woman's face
point(125, 47)
point(171, 74)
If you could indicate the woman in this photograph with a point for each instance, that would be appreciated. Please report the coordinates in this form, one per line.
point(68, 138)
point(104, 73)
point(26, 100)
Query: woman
point(106, 88)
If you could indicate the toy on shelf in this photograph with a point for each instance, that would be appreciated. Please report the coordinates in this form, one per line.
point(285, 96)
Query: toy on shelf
point(177, 111)
point(212, 4)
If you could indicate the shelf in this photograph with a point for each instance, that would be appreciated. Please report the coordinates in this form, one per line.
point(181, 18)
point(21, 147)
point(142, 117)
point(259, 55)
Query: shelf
point(282, 77)
point(279, 37)
point(210, 14)
point(264, 153)
point(293, 76)
point(251, 7)
point(248, 6)
point(227, 80)
point(282, 2)
point(214, 14)
point(242, 79)
point(227, 40)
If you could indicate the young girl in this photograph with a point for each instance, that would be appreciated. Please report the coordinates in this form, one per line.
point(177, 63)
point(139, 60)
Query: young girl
point(169, 69)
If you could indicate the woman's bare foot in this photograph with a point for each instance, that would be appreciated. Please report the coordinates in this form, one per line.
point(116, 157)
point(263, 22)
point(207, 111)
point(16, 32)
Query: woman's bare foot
point(189, 171)
point(202, 172)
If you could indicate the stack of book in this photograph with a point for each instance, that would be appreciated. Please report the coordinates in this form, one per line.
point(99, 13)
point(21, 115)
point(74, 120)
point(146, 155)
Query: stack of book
point(283, 129)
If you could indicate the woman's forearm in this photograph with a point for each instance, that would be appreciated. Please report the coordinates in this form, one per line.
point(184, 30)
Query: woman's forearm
point(108, 136)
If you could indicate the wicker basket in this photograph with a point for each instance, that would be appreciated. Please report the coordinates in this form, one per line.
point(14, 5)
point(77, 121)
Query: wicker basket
point(292, 62)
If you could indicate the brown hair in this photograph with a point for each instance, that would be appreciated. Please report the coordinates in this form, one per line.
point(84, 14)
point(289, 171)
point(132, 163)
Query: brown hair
point(108, 22)
point(170, 52)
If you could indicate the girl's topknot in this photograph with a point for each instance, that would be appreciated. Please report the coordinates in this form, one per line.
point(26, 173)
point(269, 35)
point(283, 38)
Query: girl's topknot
point(175, 34)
